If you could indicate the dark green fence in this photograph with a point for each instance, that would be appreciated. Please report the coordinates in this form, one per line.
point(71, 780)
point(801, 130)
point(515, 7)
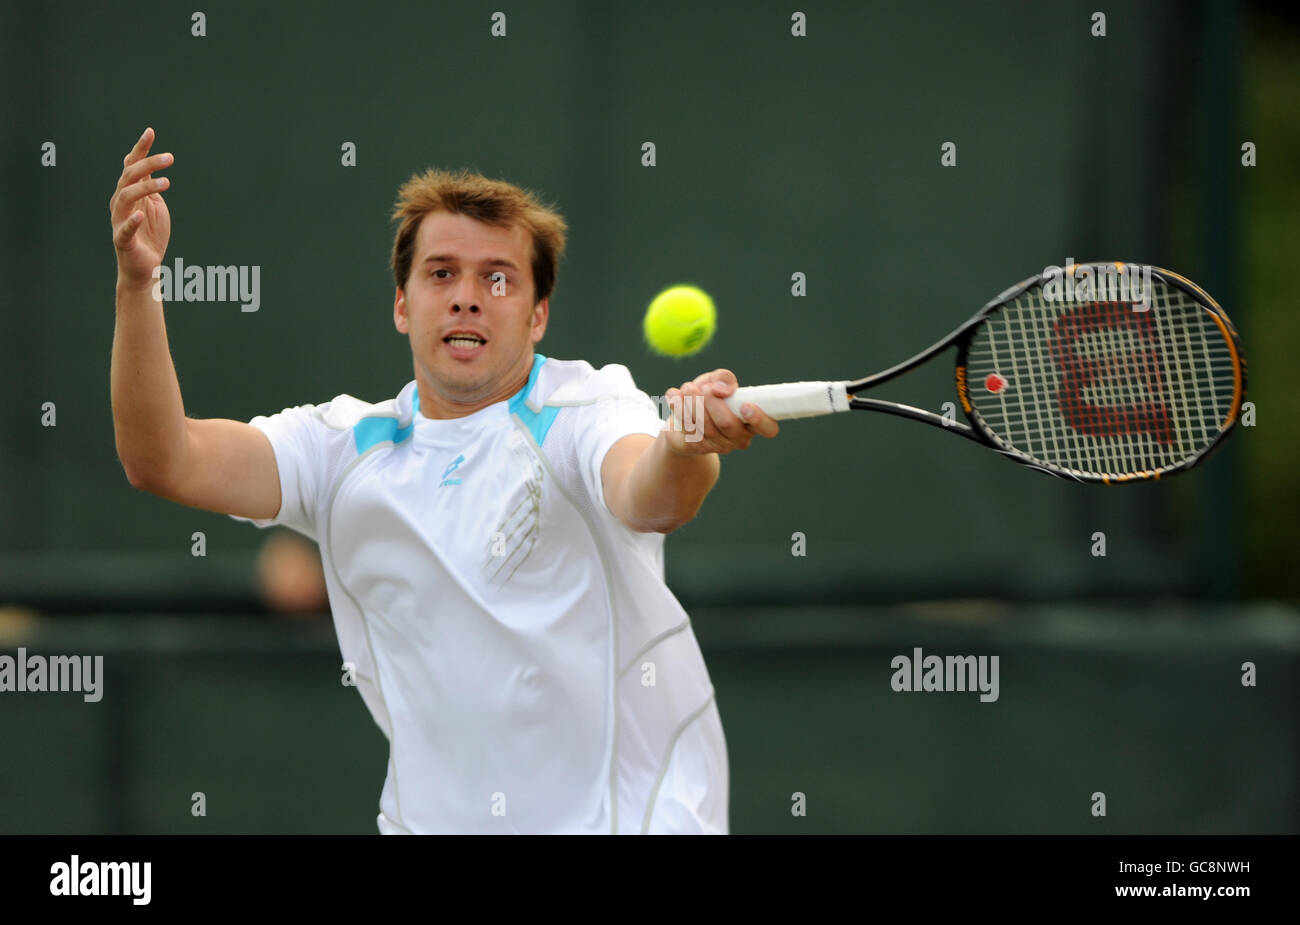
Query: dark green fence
point(1143, 704)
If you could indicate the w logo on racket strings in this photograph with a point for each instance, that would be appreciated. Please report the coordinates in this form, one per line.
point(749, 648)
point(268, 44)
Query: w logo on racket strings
point(1122, 368)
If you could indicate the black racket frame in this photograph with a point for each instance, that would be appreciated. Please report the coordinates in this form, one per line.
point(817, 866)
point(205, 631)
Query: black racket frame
point(979, 432)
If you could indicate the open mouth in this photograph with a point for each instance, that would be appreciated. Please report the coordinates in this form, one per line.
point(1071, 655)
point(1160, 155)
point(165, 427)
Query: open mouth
point(464, 341)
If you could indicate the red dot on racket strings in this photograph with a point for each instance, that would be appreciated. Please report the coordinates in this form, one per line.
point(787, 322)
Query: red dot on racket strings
point(995, 383)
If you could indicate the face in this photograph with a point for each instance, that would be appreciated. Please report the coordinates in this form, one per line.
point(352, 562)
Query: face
point(468, 309)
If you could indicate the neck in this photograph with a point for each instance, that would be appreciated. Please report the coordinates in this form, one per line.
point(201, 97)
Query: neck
point(438, 405)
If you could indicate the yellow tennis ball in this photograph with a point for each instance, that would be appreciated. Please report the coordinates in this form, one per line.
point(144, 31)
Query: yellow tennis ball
point(680, 321)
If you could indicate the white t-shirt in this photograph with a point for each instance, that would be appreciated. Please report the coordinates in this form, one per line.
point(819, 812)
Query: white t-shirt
point(514, 641)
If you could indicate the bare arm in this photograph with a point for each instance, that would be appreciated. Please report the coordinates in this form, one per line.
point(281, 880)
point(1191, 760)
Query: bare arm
point(218, 465)
point(657, 484)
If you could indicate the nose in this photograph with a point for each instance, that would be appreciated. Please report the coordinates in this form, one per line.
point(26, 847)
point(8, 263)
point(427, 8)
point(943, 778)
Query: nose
point(465, 297)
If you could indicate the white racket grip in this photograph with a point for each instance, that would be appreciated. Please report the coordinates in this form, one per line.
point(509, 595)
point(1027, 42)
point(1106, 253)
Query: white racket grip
point(788, 400)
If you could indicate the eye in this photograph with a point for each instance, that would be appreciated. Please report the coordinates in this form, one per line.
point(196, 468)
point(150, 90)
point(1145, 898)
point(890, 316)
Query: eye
point(441, 270)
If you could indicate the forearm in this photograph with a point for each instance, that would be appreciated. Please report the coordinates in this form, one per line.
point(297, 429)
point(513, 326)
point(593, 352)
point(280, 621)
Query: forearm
point(148, 414)
point(665, 490)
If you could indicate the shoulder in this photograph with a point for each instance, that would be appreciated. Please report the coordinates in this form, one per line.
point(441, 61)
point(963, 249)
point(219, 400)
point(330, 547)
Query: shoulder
point(344, 412)
point(347, 419)
point(566, 383)
point(593, 408)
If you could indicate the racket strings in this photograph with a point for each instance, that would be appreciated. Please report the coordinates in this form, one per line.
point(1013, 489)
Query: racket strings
point(1100, 388)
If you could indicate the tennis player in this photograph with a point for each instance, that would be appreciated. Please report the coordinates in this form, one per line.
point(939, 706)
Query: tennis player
point(492, 536)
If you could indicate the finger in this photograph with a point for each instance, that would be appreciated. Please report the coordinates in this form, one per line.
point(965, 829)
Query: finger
point(690, 414)
point(724, 423)
point(140, 149)
point(143, 168)
point(685, 427)
point(679, 399)
point(708, 417)
point(126, 231)
point(723, 376)
point(683, 420)
point(126, 199)
point(674, 399)
point(719, 388)
point(758, 422)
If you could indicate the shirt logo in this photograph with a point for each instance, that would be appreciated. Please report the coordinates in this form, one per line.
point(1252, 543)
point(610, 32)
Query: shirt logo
point(451, 467)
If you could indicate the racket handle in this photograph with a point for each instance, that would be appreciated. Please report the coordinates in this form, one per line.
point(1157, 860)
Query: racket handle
point(789, 400)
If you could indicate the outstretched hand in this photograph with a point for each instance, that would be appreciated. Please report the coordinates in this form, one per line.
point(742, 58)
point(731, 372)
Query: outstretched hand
point(702, 423)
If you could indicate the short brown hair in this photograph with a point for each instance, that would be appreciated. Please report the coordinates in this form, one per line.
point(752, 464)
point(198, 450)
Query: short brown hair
point(493, 202)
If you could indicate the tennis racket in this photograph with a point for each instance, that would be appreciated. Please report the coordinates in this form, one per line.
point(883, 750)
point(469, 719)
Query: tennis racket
point(1098, 372)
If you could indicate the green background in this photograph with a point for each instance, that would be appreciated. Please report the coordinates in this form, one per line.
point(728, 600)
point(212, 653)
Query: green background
point(1143, 704)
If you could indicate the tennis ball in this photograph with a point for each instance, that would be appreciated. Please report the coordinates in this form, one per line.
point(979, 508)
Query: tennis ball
point(680, 321)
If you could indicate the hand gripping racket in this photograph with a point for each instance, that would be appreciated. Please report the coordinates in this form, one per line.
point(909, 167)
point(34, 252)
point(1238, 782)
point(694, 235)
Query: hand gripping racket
point(1100, 372)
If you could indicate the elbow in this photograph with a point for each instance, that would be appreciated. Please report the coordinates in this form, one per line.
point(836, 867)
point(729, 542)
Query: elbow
point(141, 479)
point(672, 526)
point(668, 528)
point(141, 475)
point(666, 519)
point(148, 466)
point(651, 524)
point(665, 525)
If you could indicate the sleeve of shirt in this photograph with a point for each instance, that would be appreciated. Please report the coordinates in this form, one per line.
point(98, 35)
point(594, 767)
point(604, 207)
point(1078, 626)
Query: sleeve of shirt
point(296, 436)
point(619, 408)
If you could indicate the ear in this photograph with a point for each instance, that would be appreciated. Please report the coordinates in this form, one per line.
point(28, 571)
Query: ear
point(399, 312)
point(541, 314)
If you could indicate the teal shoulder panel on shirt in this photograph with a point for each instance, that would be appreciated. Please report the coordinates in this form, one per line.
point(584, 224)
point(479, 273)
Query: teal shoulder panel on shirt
point(369, 432)
point(538, 423)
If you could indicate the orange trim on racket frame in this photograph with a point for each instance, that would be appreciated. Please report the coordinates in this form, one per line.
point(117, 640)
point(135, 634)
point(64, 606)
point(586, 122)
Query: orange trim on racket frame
point(1236, 369)
point(961, 389)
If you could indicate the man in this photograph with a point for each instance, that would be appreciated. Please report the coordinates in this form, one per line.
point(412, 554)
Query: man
point(492, 536)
